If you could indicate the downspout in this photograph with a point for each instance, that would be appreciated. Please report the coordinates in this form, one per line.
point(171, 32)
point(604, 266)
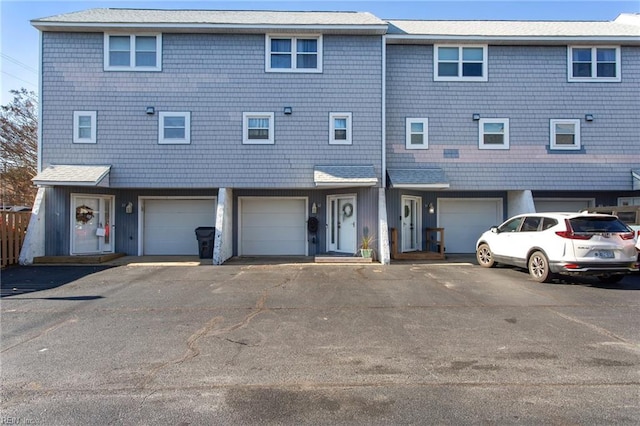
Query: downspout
point(39, 161)
point(383, 225)
point(384, 112)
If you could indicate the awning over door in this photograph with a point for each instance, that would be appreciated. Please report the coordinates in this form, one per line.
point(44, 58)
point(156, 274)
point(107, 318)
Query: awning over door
point(428, 178)
point(344, 176)
point(635, 174)
point(72, 175)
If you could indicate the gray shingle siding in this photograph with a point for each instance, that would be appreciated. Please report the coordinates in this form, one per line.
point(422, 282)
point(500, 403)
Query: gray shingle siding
point(216, 78)
point(528, 85)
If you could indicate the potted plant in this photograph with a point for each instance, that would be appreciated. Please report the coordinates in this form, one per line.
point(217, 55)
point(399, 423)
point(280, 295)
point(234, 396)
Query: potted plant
point(365, 246)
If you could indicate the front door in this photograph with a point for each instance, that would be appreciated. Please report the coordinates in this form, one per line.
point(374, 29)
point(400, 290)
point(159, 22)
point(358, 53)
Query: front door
point(411, 223)
point(342, 231)
point(92, 224)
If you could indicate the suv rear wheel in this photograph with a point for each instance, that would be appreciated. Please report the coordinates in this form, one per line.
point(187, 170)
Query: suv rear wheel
point(484, 256)
point(538, 266)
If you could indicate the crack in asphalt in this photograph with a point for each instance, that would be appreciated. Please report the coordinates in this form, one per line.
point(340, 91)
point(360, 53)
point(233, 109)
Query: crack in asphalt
point(42, 333)
point(597, 329)
point(208, 329)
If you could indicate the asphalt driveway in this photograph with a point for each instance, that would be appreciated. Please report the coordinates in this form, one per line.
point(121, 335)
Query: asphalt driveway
point(445, 343)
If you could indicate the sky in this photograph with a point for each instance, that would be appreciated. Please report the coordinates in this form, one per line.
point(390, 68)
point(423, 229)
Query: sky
point(19, 40)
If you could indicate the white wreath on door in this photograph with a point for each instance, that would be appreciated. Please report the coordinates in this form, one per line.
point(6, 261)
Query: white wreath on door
point(347, 210)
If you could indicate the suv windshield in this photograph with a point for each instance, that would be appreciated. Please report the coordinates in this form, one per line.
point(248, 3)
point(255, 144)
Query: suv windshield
point(597, 224)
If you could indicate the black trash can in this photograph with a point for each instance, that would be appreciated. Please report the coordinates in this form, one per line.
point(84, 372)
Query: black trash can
point(205, 234)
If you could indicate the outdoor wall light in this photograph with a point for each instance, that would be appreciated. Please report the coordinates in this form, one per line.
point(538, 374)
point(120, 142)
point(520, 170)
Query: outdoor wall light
point(431, 208)
point(476, 116)
point(151, 110)
point(288, 110)
point(588, 117)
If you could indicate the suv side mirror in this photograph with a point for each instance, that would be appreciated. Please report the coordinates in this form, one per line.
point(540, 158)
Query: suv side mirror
point(495, 230)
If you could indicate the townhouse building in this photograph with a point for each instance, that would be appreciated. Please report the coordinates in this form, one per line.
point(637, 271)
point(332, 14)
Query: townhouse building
point(488, 119)
point(157, 122)
point(299, 133)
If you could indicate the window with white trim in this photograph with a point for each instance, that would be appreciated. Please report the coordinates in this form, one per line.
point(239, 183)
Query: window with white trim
point(175, 128)
point(132, 52)
point(84, 127)
point(417, 133)
point(565, 134)
point(257, 128)
point(594, 64)
point(293, 54)
point(460, 63)
point(340, 128)
point(493, 133)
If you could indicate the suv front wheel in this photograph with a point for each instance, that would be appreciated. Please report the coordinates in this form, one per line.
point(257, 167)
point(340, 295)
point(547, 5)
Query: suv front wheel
point(538, 266)
point(484, 256)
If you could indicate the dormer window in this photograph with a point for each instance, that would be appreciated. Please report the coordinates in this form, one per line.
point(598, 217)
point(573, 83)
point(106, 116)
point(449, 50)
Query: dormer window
point(132, 52)
point(594, 64)
point(293, 54)
point(460, 63)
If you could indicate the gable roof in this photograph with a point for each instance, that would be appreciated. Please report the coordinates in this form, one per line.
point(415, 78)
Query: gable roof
point(514, 30)
point(626, 28)
point(426, 178)
point(213, 20)
point(335, 176)
point(73, 175)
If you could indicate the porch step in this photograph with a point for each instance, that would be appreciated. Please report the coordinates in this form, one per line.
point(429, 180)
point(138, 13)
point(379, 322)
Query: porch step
point(419, 255)
point(80, 259)
point(342, 259)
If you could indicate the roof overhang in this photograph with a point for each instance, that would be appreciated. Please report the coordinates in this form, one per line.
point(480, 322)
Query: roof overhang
point(427, 178)
point(514, 40)
point(73, 175)
point(344, 176)
point(209, 28)
point(635, 175)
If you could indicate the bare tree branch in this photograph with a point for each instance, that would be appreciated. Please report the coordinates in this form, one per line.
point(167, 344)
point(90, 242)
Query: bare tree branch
point(19, 139)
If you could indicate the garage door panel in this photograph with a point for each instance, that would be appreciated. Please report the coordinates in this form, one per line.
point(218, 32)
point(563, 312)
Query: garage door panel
point(273, 227)
point(275, 219)
point(464, 220)
point(169, 225)
point(279, 233)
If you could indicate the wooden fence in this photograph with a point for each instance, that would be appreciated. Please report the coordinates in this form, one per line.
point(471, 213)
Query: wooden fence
point(13, 229)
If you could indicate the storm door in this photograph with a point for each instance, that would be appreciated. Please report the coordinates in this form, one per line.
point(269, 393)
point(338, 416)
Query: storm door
point(411, 223)
point(92, 224)
point(342, 230)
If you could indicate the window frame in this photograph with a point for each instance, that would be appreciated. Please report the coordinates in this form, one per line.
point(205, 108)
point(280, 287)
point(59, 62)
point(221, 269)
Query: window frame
point(482, 133)
point(162, 139)
point(408, 133)
point(460, 62)
point(553, 145)
point(245, 128)
point(294, 46)
point(132, 53)
point(594, 65)
point(76, 126)
point(332, 128)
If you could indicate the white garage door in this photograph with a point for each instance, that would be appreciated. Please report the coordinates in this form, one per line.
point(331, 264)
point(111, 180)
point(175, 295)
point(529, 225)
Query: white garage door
point(169, 225)
point(464, 220)
point(561, 205)
point(273, 226)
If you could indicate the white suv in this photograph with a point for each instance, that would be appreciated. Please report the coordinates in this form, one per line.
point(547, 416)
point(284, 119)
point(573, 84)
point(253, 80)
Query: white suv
point(561, 243)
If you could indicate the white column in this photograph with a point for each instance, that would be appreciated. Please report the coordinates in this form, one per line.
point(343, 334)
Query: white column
point(34, 240)
point(383, 229)
point(520, 202)
point(223, 240)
